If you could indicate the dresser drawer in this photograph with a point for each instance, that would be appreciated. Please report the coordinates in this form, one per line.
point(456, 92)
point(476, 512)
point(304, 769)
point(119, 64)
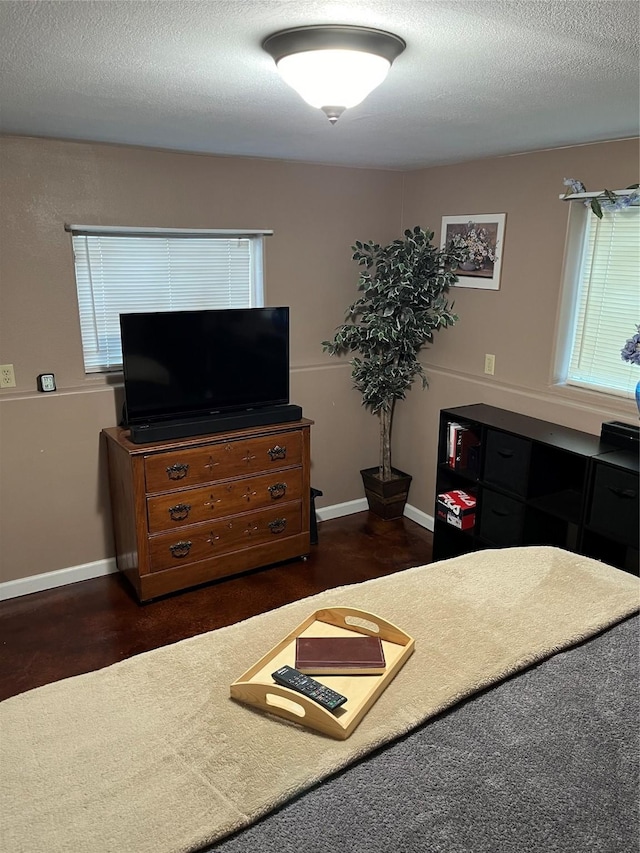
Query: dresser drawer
point(201, 541)
point(190, 506)
point(179, 469)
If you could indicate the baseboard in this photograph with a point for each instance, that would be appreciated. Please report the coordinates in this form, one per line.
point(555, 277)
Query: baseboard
point(419, 517)
point(350, 507)
point(326, 513)
point(62, 577)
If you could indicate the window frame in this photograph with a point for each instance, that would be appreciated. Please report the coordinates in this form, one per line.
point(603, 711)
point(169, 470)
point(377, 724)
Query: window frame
point(256, 285)
point(566, 330)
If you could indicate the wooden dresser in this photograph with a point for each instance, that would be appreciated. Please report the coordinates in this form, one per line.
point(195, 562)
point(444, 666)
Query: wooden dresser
point(192, 510)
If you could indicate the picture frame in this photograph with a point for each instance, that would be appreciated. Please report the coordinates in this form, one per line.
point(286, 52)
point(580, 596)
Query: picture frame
point(483, 235)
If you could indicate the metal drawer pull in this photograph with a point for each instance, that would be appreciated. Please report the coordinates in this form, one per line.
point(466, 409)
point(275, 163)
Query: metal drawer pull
point(178, 471)
point(623, 493)
point(277, 452)
point(180, 549)
point(179, 512)
point(278, 525)
point(278, 490)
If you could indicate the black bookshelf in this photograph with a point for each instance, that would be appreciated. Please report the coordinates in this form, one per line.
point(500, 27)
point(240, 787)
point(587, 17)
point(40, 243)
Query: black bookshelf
point(535, 483)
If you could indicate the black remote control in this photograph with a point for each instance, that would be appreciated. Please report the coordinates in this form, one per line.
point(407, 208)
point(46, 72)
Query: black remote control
point(287, 676)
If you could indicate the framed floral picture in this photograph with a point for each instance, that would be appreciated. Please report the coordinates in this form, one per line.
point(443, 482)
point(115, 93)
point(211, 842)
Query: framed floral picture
point(481, 239)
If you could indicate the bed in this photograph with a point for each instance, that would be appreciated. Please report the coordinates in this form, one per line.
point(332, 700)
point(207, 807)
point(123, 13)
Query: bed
point(545, 761)
point(513, 726)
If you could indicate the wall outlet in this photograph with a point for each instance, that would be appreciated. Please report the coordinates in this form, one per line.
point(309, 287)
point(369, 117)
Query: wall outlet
point(7, 376)
point(489, 364)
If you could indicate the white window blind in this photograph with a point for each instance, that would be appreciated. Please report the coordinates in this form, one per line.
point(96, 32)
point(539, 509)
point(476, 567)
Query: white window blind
point(131, 271)
point(607, 307)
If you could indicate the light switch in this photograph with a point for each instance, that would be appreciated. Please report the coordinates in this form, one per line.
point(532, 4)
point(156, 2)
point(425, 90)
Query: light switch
point(490, 364)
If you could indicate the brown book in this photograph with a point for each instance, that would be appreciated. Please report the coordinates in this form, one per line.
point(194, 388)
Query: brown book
point(358, 655)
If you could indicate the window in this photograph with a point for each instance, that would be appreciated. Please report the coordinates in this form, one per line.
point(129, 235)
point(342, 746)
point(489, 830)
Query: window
point(602, 299)
point(122, 270)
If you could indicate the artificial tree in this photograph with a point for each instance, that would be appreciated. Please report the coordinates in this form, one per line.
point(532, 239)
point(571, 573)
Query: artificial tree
point(404, 301)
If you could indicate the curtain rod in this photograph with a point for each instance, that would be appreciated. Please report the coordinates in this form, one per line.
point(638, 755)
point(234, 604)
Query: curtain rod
point(115, 230)
point(581, 196)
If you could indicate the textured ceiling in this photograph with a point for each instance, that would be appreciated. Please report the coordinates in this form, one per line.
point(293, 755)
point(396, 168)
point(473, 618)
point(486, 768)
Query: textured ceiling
point(476, 79)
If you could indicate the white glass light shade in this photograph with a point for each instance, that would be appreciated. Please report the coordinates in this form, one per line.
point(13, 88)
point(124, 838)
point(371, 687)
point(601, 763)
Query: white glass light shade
point(333, 67)
point(333, 78)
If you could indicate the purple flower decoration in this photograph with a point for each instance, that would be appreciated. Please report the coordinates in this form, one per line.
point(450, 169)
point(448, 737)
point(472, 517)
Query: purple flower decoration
point(606, 200)
point(576, 186)
point(623, 201)
point(631, 350)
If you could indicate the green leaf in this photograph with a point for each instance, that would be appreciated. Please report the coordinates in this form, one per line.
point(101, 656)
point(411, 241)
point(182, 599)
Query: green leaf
point(595, 207)
point(401, 302)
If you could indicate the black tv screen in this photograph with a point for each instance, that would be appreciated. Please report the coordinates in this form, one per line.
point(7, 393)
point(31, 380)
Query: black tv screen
point(199, 363)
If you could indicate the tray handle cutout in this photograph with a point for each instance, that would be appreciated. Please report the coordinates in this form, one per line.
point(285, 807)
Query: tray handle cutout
point(290, 705)
point(364, 623)
point(359, 622)
point(274, 700)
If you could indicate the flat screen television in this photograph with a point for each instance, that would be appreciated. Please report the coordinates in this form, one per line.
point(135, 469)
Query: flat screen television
point(187, 365)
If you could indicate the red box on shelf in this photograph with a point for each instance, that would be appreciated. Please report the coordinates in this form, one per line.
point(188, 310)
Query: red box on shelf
point(457, 508)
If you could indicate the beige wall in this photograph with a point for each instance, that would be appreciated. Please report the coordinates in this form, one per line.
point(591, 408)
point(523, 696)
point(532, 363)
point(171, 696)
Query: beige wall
point(516, 323)
point(53, 499)
point(54, 505)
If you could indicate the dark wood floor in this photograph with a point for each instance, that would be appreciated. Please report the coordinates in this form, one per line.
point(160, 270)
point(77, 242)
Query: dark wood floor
point(66, 631)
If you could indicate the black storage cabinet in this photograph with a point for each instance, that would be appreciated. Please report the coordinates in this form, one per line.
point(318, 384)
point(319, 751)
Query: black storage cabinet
point(538, 483)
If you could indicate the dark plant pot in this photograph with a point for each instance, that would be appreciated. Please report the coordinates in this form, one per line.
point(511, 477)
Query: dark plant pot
point(386, 497)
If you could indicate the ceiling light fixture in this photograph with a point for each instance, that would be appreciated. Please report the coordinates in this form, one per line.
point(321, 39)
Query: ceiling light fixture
point(333, 68)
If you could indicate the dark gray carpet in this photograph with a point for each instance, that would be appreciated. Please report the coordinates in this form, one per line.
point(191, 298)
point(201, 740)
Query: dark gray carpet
point(547, 762)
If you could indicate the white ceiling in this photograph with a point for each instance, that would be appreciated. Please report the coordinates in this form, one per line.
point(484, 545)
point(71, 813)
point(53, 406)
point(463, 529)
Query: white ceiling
point(478, 77)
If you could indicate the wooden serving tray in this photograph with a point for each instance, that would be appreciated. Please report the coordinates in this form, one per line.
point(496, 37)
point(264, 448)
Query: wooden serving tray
point(256, 687)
